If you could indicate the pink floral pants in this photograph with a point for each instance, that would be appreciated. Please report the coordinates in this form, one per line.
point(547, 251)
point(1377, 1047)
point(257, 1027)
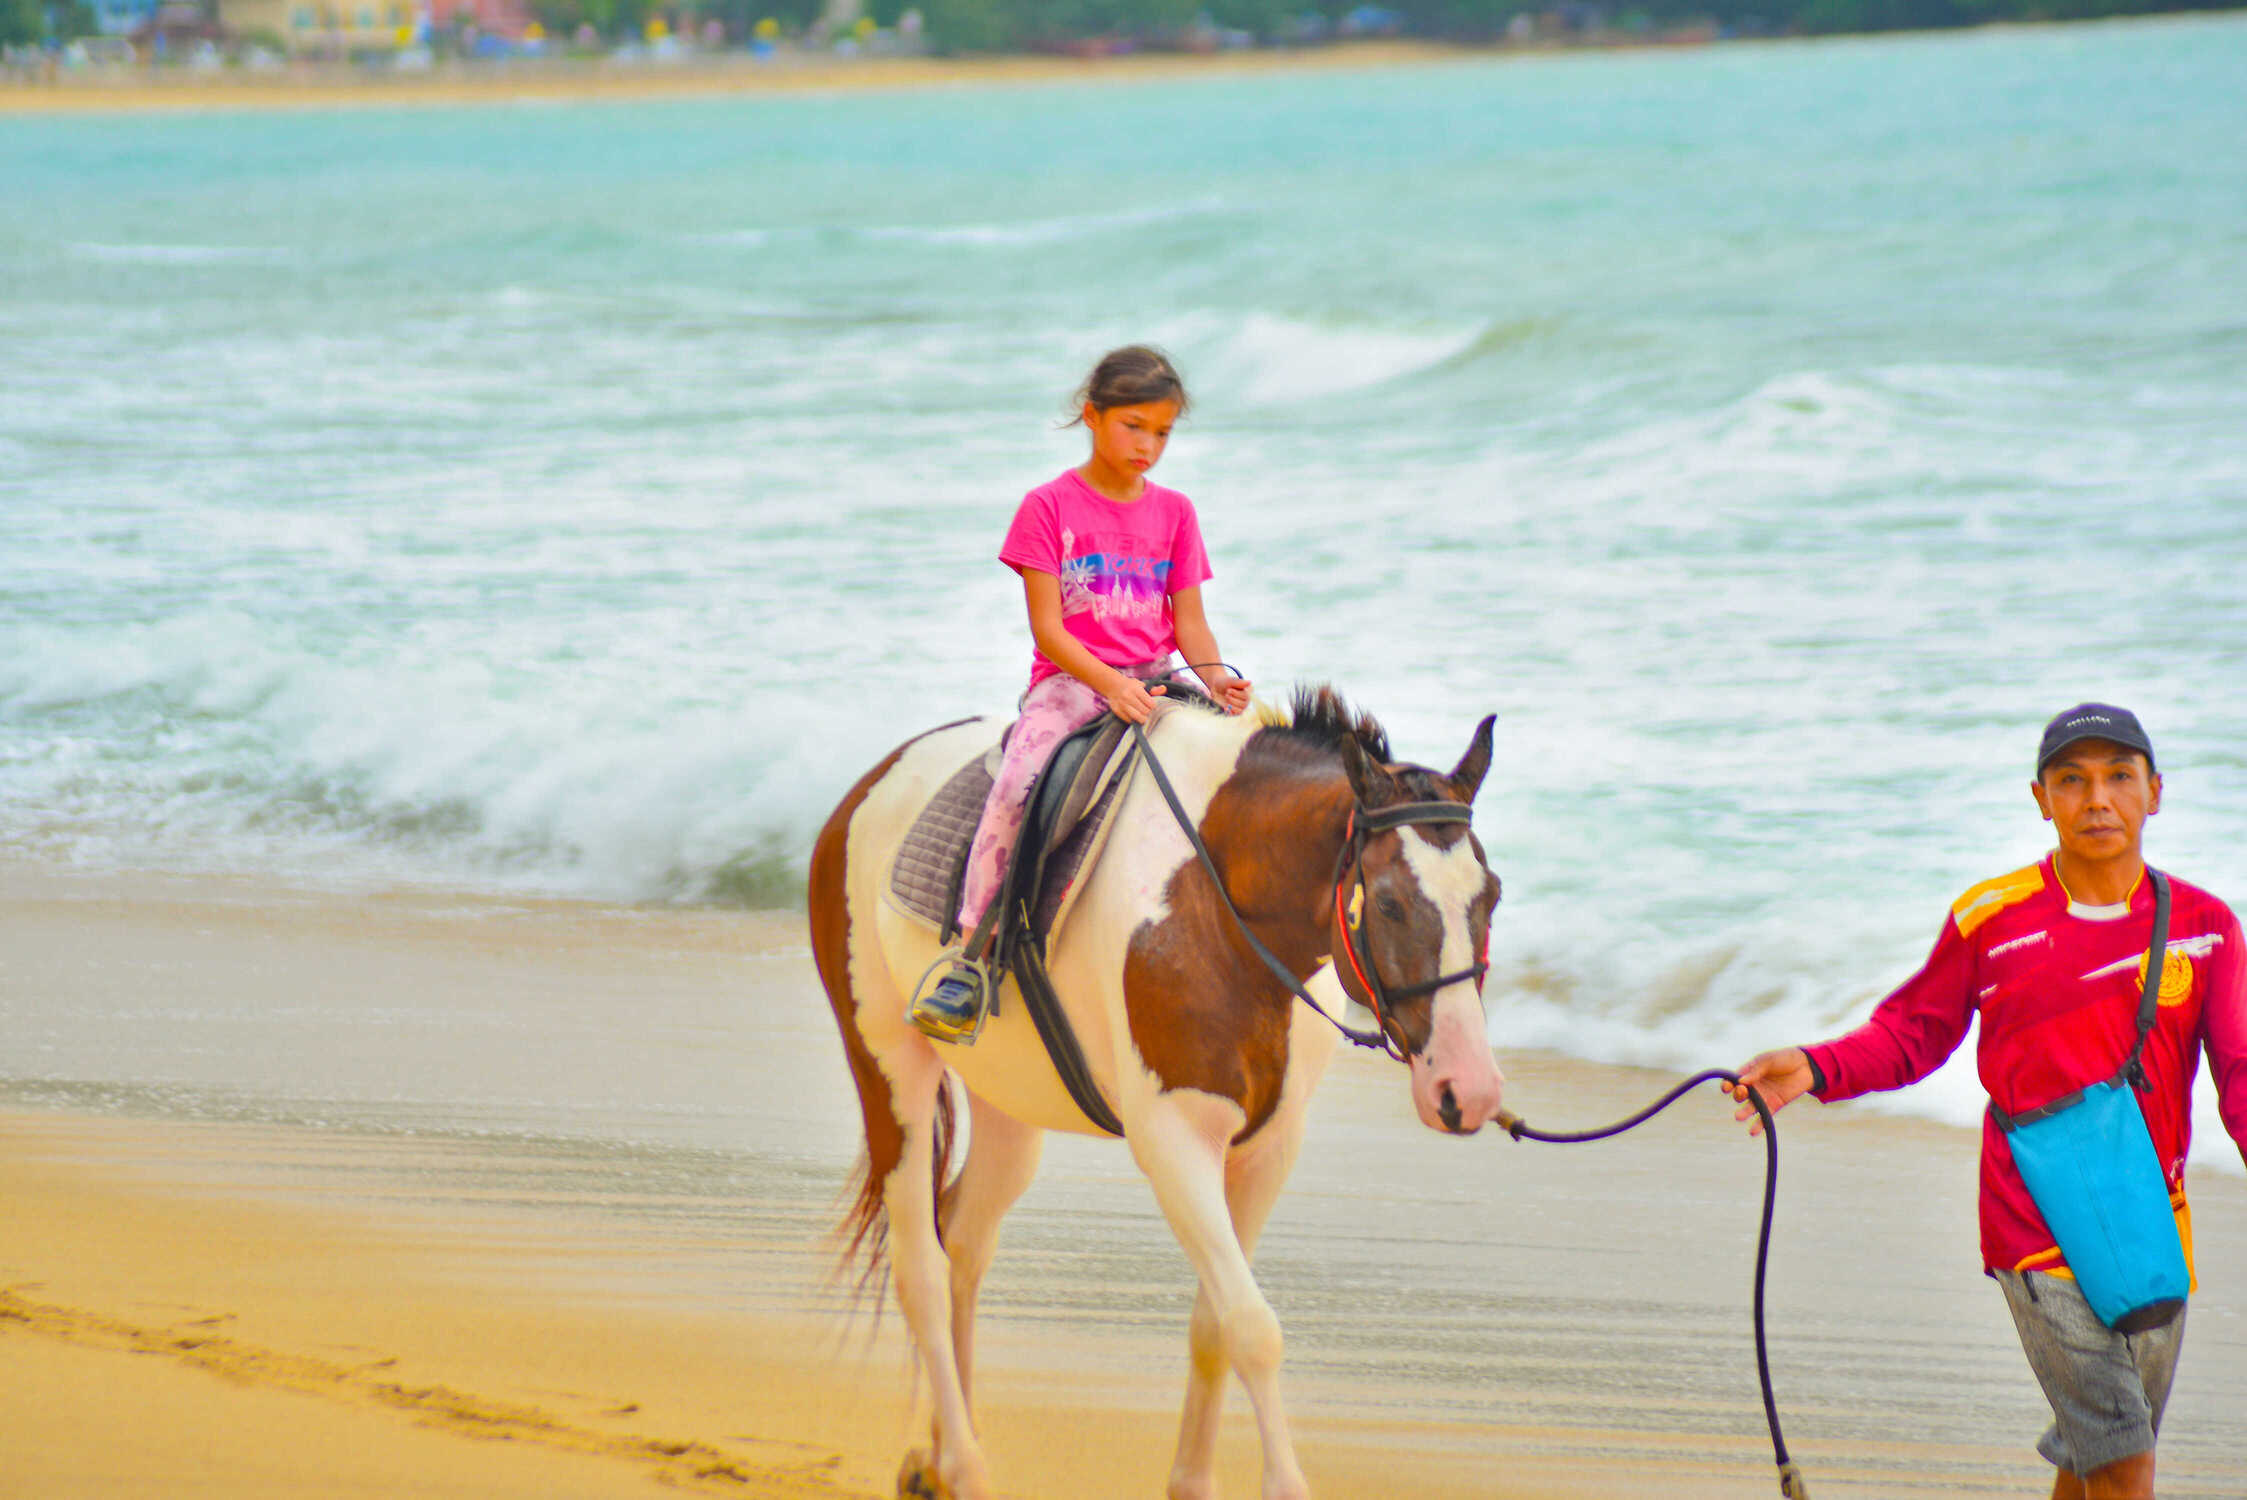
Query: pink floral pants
point(1050, 712)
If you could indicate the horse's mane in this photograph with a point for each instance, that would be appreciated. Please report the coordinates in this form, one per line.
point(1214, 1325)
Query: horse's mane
point(1318, 719)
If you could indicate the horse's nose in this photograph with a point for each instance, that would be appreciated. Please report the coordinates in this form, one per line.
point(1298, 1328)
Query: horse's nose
point(1456, 1084)
point(1468, 1099)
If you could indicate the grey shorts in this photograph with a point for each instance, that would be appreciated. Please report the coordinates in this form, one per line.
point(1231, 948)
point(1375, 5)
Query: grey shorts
point(2107, 1389)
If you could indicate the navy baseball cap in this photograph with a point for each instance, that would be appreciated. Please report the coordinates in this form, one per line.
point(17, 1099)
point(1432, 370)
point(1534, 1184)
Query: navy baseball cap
point(2093, 721)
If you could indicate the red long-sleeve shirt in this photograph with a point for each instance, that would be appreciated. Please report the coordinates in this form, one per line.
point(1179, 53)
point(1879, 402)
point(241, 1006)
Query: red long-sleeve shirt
point(2057, 986)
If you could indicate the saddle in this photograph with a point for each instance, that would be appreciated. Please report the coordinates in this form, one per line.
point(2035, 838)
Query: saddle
point(1064, 824)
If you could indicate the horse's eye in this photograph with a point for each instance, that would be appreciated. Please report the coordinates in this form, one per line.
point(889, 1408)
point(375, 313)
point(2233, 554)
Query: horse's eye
point(1391, 908)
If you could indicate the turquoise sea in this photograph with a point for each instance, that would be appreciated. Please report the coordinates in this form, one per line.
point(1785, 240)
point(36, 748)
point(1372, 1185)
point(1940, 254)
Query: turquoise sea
point(578, 498)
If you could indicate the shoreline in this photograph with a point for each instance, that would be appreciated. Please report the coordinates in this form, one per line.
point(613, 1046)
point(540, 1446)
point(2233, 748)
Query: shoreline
point(323, 85)
point(510, 1272)
point(564, 80)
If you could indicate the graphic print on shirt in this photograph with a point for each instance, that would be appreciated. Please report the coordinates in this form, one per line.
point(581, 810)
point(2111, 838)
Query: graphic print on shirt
point(1110, 584)
point(2176, 977)
point(2176, 968)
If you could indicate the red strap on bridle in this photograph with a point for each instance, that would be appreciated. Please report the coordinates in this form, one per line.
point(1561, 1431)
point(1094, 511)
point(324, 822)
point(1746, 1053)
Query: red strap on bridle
point(1345, 937)
point(1349, 870)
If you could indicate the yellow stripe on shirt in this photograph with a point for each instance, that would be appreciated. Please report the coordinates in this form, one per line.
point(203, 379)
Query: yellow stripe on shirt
point(1984, 901)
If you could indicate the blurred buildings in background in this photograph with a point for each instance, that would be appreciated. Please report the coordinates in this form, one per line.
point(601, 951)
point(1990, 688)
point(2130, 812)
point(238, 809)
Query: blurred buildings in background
point(420, 34)
point(357, 26)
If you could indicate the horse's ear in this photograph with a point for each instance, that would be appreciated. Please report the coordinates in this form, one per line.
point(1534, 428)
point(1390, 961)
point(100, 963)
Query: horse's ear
point(1466, 777)
point(1369, 779)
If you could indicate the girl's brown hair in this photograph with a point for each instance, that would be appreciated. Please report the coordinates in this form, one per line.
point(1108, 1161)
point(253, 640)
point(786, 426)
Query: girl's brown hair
point(1135, 375)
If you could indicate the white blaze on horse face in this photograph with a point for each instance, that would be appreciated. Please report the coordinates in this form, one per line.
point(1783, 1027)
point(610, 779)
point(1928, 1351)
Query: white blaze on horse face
point(1457, 1058)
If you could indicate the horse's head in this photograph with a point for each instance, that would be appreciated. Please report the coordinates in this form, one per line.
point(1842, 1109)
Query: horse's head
point(1414, 898)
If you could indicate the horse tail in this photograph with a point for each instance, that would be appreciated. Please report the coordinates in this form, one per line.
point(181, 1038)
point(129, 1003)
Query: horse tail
point(863, 1234)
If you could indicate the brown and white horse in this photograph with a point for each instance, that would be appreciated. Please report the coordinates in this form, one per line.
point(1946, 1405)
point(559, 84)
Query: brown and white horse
point(1201, 1053)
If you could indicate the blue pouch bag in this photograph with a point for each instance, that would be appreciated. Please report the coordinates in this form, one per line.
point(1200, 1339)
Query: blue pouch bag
point(2089, 1163)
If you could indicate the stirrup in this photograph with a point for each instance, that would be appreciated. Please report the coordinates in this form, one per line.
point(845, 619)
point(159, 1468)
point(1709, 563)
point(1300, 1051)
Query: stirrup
point(941, 1025)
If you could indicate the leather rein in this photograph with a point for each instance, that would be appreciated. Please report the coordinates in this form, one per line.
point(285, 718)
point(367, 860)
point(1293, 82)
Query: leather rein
point(1349, 915)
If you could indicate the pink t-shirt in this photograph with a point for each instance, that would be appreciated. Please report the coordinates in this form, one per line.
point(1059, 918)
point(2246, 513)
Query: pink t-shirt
point(1118, 565)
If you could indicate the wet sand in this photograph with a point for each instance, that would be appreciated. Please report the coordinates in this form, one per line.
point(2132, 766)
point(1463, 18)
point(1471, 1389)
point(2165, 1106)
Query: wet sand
point(324, 86)
point(296, 1284)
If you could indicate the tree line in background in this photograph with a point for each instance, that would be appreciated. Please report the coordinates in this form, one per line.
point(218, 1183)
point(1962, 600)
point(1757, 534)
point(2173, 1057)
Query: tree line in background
point(23, 22)
point(1035, 25)
point(1018, 25)
point(1008, 25)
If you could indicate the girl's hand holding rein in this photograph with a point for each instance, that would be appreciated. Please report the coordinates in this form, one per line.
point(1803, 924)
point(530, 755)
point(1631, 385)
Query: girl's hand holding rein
point(1231, 693)
point(1131, 700)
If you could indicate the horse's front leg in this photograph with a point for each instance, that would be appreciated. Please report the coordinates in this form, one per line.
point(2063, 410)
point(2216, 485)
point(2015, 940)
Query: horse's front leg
point(1180, 1143)
point(1254, 1175)
point(922, 1272)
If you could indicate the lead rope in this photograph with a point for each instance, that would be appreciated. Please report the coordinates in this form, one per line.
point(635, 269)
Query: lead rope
point(1791, 1483)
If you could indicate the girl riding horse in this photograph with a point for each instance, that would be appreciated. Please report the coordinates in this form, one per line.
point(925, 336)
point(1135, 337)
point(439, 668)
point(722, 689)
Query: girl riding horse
point(1112, 568)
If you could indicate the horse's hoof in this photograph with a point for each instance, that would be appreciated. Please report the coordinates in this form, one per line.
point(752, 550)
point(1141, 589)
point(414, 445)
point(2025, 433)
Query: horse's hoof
point(916, 1478)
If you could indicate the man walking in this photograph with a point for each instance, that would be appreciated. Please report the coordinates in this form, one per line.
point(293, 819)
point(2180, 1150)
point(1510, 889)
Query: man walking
point(2053, 958)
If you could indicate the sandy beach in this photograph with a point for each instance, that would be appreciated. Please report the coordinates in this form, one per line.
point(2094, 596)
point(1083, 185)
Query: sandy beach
point(324, 85)
point(248, 1294)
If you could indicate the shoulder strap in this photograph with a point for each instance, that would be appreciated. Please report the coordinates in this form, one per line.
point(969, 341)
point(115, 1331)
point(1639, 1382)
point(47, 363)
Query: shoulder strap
point(2133, 1070)
point(2149, 1002)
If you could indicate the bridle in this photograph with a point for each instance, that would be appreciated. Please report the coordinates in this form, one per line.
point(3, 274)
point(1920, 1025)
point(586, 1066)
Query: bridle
point(1349, 918)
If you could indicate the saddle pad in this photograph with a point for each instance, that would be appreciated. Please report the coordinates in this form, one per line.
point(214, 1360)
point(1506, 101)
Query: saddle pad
point(925, 878)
